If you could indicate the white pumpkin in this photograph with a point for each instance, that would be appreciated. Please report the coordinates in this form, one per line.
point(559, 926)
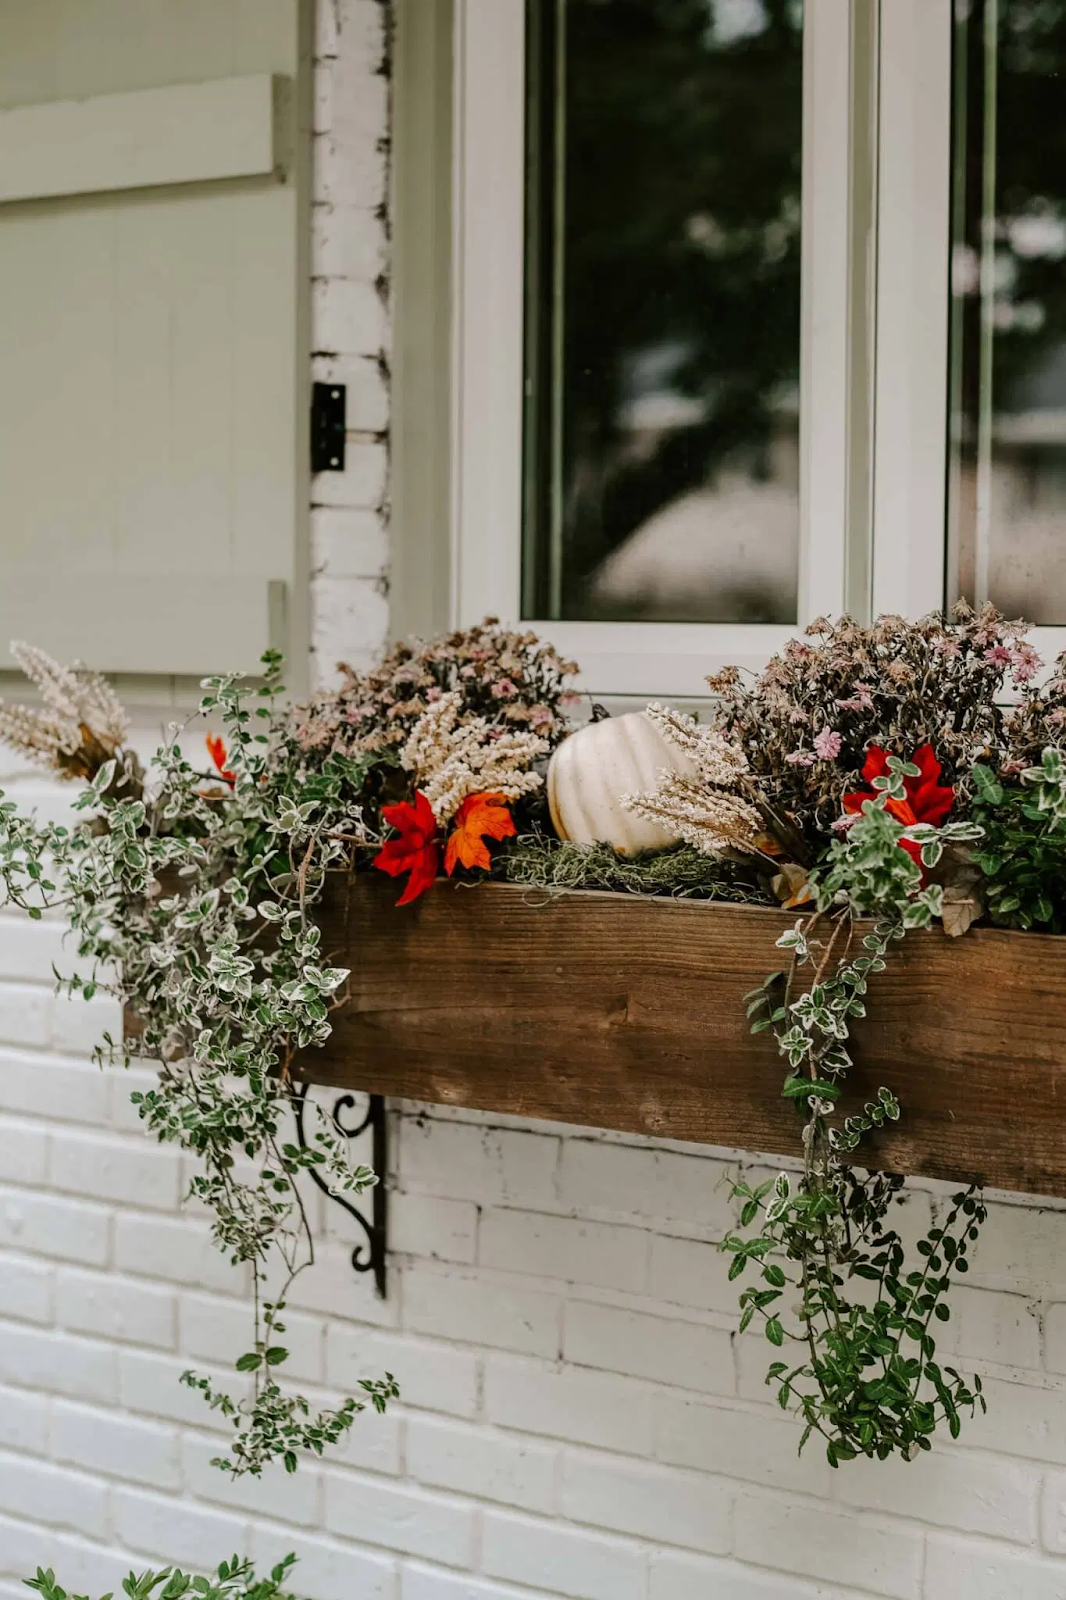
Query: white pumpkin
point(591, 771)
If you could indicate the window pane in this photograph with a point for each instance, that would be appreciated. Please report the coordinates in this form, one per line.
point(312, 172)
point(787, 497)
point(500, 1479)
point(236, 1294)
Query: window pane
point(1007, 529)
point(663, 310)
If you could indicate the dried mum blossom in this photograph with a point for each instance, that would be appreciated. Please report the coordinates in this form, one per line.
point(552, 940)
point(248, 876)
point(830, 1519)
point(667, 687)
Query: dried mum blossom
point(806, 721)
point(452, 755)
point(703, 808)
point(82, 724)
point(513, 680)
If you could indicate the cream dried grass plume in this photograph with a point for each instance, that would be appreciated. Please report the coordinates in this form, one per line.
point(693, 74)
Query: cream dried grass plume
point(82, 723)
point(701, 808)
point(451, 759)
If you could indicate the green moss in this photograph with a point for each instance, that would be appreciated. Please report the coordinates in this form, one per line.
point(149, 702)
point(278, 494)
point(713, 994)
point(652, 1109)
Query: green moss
point(682, 872)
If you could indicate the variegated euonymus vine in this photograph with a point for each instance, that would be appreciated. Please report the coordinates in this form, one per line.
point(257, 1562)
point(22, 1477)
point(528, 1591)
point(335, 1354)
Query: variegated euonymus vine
point(191, 901)
point(834, 1283)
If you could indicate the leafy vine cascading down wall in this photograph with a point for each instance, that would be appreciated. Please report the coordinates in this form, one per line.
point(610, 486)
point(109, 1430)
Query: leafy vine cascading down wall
point(869, 777)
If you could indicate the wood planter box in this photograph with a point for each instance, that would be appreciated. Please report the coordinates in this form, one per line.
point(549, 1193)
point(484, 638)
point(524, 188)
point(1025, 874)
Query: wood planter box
point(615, 1011)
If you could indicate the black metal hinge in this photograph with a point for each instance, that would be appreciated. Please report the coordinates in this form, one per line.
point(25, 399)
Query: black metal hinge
point(368, 1256)
point(329, 409)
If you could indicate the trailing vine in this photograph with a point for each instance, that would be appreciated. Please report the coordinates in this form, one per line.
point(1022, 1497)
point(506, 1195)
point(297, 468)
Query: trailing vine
point(192, 901)
point(867, 1379)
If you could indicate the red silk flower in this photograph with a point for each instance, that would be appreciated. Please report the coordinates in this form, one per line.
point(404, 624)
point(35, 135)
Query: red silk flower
point(415, 851)
point(927, 799)
point(216, 749)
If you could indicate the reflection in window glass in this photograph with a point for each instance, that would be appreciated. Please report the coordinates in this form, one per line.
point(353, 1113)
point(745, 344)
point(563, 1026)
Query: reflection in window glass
point(663, 310)
point(1007, 523)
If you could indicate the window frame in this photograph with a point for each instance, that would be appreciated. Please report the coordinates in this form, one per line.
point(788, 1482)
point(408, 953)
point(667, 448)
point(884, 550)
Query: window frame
point(488, 268)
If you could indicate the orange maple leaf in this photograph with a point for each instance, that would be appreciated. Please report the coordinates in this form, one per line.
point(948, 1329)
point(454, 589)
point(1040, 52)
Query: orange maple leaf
point(480, 817)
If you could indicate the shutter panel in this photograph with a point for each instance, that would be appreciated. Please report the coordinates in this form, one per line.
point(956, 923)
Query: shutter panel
point(153, 341)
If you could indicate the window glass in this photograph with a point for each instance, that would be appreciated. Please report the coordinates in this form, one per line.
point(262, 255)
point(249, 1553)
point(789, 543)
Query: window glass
point(663, 310)
point(1007, 502)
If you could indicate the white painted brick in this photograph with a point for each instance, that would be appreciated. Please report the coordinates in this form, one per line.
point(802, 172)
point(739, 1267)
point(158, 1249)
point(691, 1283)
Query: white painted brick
point(122, 1114)
point(78, 1025)
point(24, 1421)
point(1053, 1513)
point(332, 1288)
point(350, 243)
point(957, 1489)
point(175, 1530)
point(358, 184)
point(569, 1248)
point(327, 1570)
point(1014, 1249)
point(489, 1466)
point(150, 1384)
point(565, 1561)
point(964, 1569)
point(218, 1330)
point(429, 1583)
point(689, 1272)
point(360, 487)
point(428, 1226)
point(23, 1152)
point(686, 1354)
point(69, 1091)
point(840, 1547)
point(433, 1377)
point(453, 1304)
point(179, 1250)
point(25, 1014)
point(988, 1326)
point(42, 1492)
point(120, 1447)
point(346, 609)
point(583, 1406)
point(1055, 1338)
point(1023, 1420)
point(374, 1443)
point(683, 1577)
point(757, 1446)
point(116, 1308)
point(406, 1519)
point(27, 1289)
point(652, 1502)
point(348, 317)
point(58, 1363)
point(67, 1229)
point(88, 1567)
point(624, 1181)
point(494, 1166)
point(348, 544)
point(106, 1167)
point(29, 951)
point(288, 1497)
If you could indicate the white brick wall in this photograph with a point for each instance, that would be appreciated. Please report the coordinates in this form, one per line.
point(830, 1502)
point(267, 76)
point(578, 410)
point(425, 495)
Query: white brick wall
point(579, 1418)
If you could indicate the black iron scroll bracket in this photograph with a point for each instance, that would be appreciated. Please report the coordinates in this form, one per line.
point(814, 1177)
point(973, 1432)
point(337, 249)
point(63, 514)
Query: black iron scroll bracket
point(368, 1256)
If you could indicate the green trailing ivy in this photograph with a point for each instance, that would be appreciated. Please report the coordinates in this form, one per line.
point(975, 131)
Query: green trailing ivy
point(233, 1580)
point(1023, 849)
point(194, 905)
point(833, 1286)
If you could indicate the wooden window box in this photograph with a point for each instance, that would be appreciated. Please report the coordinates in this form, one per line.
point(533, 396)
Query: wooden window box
point(617, 1011)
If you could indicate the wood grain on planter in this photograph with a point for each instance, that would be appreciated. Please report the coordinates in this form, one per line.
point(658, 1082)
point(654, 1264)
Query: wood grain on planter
point(615, 1011)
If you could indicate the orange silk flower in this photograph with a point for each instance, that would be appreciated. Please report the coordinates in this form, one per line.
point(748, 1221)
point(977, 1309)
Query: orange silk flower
point(216, 749)
point(415, 851)
point(480, 817)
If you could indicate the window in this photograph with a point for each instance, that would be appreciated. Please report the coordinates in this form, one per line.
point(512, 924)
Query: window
point(1008, 368)
point(756, 312)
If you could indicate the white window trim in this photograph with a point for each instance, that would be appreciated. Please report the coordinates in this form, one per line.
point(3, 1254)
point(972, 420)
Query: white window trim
point(488, 193)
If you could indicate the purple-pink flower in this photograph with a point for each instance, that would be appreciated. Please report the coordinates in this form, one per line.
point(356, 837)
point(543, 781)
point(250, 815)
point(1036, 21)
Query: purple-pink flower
point(1026, 663)
point(1000, 655)
point(801, 758)
point(827, 744)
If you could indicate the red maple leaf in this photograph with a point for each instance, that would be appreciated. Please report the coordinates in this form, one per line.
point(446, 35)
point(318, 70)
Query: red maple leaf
point(415, 851)
point(480, 817)
point(216, 749)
